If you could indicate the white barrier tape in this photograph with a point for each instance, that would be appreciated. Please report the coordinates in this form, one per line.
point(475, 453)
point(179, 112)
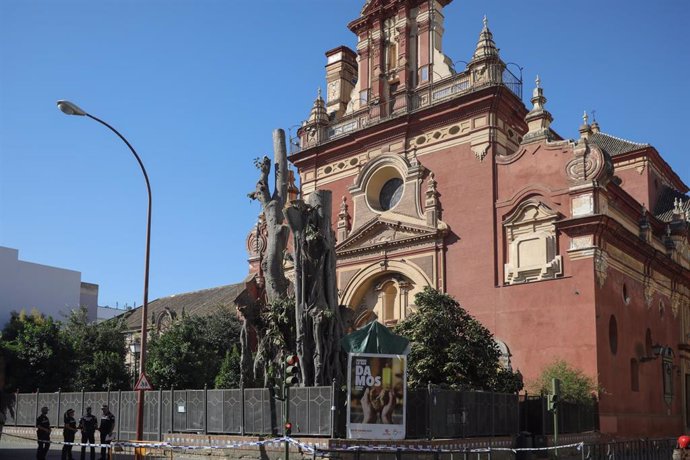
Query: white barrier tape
point(46, 441)
point(579, 446)
point(306, 447)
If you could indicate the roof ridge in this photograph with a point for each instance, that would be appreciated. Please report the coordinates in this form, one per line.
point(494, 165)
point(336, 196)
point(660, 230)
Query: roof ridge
point(645, 144)
point(197, 291)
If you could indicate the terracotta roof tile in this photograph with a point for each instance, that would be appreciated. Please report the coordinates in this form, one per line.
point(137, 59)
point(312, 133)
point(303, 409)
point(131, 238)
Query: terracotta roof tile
point(664, 205)
point(614, 145)
point(195, 303)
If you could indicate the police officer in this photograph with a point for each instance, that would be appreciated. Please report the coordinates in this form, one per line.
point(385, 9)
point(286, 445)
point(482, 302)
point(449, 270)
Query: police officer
point(87, 425)
point(68, 433)
point(43, 434)
point(106, 427)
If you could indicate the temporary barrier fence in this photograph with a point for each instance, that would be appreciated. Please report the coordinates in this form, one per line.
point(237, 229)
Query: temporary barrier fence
point(432, 412)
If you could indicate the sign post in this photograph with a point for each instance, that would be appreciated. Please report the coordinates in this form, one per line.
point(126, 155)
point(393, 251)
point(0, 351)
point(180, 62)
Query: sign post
point(143, 383)
point(377, 394)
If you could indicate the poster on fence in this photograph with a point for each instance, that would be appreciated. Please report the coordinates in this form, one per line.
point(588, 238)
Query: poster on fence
point(376, 392)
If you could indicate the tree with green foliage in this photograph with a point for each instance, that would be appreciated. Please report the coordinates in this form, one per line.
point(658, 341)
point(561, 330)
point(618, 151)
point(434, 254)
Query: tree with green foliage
point(189, 353)
point(451, 348)
point(36, 352)
point(98, 353)
point(576, 387)
point(229, 373)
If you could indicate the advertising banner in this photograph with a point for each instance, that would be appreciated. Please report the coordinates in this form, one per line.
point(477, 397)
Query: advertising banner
point(377, 393)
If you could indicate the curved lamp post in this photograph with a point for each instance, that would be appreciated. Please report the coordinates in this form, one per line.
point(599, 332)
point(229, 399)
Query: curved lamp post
point(72, 109)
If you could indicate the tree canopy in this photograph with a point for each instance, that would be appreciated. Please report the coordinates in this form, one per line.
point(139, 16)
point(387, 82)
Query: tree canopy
point(42, 353)
point(189, 354)
point(576, 387)
point(98, 353)
point(451, 348)
point(35, 351)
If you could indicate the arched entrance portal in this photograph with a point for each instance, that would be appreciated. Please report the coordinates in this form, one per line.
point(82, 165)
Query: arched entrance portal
point(384, 292)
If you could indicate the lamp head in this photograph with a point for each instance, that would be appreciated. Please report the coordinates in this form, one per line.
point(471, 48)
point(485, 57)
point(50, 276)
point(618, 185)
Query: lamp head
point(69, 108)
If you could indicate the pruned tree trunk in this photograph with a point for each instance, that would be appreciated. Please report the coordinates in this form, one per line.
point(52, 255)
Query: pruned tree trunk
point(272, 264)
point(317, 314)
point(275, 282)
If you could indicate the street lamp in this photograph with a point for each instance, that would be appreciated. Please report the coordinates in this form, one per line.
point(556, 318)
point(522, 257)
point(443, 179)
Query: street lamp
point(135, 348)
point(72, 109)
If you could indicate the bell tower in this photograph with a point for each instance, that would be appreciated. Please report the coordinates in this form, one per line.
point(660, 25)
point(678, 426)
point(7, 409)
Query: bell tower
point(398, 49)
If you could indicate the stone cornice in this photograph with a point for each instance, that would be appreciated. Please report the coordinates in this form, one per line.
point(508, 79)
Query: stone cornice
point(422, 234)
point(490, 99)
point(607, 230)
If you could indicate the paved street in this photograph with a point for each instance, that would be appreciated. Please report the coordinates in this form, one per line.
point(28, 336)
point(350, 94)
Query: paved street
point(11, 449)
point(20, 449)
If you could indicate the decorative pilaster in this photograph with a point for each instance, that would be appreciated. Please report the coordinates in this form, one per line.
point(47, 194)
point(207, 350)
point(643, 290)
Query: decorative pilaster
point(431, 202)
point(343, 221)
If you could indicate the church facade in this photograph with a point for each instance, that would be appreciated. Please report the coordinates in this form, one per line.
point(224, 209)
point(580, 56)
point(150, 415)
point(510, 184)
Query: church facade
point(565, 249)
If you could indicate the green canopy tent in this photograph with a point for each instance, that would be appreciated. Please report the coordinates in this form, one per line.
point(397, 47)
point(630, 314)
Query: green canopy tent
point(375, 338)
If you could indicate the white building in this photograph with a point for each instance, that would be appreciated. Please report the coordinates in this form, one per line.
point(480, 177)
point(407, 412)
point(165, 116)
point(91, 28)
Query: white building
point(51, 290)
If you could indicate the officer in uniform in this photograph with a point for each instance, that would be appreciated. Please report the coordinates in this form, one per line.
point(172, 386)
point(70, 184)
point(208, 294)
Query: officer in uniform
point(68, 433)
point(106, 427)
point(43, 434)
point(87, 425)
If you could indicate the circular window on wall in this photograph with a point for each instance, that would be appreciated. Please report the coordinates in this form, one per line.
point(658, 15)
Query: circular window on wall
point(384, 189)
point(390, 193)
point(613, 334)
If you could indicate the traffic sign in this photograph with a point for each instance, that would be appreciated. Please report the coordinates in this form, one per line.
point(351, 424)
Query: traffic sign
point(143, 383)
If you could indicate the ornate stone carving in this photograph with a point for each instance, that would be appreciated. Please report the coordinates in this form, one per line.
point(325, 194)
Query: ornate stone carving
point(431, 202)
point(589, 164)
point(677, 301)
point(532, 245)
point(601, 266)
point(343, 220)
point(256, 240)
point(648, 293)
point(480, 152)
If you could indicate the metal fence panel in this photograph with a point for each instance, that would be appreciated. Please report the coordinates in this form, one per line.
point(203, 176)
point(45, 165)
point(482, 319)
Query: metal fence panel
point(215, 409)
point(262, 414)
point(26, 409)
point(51, 401)
point(416, 413)
point(195, 410)
point(127, 415)
point(151, 420)
point(310, 410)
point(180, 410)
point(69, 401)
point(299, 410)
point(232, 411)
point(318, 405)
point(506, 418)
point(167, 411)
point(447, 414)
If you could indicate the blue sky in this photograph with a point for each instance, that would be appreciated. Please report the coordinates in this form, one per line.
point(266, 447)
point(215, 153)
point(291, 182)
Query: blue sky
point(198, 86)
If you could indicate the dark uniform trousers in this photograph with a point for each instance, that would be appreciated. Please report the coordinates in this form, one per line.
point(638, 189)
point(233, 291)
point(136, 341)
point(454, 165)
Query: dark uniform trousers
point(88, 438)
